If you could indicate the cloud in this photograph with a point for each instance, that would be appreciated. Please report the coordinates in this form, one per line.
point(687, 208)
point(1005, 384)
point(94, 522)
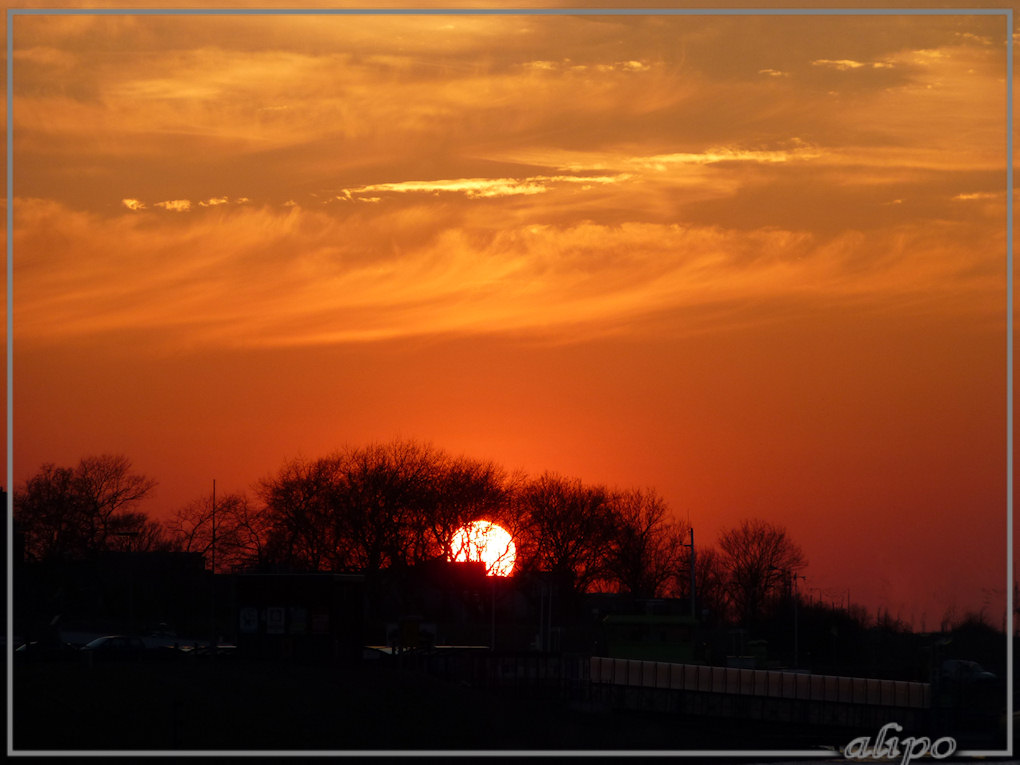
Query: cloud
point(175, 205)
point(269, 276)
point(715, 155)
point(182, 205)
point(568, 65)
point(473, 188)
point(479, 188)
point(978, 195)
point(845, 65)
point(483, 175)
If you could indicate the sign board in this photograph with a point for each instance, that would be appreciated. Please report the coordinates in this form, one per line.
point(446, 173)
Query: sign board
point(249, 621)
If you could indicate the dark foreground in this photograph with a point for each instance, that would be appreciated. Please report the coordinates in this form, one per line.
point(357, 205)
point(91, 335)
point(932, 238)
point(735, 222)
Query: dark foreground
point(241, 705)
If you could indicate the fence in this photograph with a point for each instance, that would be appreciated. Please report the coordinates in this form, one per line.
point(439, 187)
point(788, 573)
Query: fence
point(758, 694)
point(688, 690)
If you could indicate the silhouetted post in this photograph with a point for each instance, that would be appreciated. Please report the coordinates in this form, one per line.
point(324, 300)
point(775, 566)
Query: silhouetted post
point(691, 545)
point(791, 592)
point(796, 623)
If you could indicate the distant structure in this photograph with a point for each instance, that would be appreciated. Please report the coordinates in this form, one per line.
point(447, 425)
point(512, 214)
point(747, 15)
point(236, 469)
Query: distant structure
point(311, 617)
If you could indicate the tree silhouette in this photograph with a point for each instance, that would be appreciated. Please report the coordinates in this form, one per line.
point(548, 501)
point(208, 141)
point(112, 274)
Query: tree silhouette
point(757, 557)
point(647, 547)
point(299, 502)
point(709, 582)
point(74, 513)
point(378, 506)
point(465, 490)
point(567, 529)
point(241, 531)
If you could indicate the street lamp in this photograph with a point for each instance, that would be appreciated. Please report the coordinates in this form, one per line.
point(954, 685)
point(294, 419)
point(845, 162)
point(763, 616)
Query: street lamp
point(796, 624)
point(691, 545)
point(796, 631)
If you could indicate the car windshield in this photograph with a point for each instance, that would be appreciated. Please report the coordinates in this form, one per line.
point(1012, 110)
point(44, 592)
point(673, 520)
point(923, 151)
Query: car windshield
point(97, 642)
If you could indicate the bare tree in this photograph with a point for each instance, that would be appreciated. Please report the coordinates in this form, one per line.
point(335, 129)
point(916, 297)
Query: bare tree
point(302, 532)
point(758, 557)
point(241, 531)
point(709, 582)
point(376, 506)
point(647, 547)
point(80, 511)
point(386, 489)
point(467, 490)
point(567, 529)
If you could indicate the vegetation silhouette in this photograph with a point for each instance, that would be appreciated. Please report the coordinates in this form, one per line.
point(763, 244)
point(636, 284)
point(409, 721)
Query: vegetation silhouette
point(73, 513)
point(389, 512)
point(396, 505)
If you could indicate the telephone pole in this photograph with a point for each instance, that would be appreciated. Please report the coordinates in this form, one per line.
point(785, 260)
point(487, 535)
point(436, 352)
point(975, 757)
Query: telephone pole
point(694, 614)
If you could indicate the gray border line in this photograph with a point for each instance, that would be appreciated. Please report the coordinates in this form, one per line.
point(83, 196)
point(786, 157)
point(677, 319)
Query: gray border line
point(9, 520)
point(1010, 605)
point(12, 12)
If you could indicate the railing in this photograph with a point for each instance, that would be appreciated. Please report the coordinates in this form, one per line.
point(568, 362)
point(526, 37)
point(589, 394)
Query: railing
point(761, 683)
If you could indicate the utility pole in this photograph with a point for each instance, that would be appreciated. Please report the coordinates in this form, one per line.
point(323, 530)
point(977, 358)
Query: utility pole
point(796, 623)
point(791, 592)
point(694, 614)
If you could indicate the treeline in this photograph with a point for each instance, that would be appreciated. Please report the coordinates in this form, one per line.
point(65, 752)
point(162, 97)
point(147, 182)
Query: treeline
point(382, 506)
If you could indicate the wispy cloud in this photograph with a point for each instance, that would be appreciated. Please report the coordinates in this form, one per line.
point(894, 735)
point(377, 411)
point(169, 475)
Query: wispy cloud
point(845, 64)
point(175, 205)
point(486, 177)
point(567, 65)
point(979, 195)
point(480, 188)
point(310, 277)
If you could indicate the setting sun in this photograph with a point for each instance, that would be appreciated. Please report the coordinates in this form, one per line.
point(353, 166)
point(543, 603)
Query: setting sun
point(487, 542)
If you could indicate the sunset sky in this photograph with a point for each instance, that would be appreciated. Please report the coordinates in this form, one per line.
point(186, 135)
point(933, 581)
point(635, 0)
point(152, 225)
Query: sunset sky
point(757, 263)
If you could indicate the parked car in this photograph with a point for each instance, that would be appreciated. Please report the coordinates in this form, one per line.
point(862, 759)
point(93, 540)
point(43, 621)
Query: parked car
point(42, 650)
point(221, 650)
point(115, 647)
point(965, 671)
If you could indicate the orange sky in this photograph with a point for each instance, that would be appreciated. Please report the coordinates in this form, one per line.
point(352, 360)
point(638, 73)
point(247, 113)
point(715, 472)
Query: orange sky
point(757, 263)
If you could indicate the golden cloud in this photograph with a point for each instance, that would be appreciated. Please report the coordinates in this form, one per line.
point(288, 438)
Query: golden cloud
point(175, 205)
point(263, 276)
